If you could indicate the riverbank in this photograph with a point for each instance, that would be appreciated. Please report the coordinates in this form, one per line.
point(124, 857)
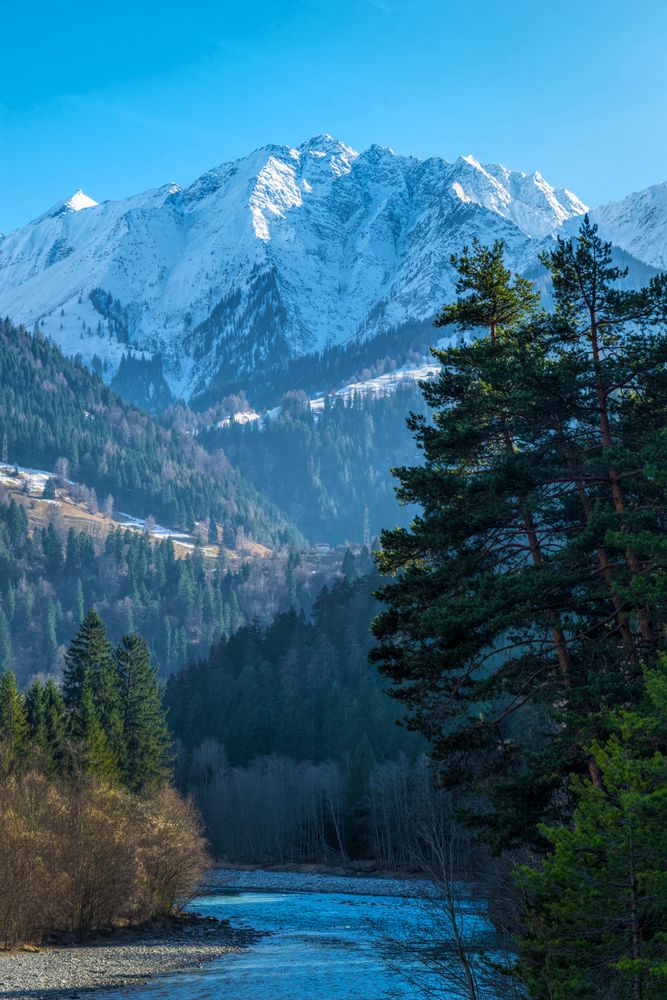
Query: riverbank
point(125, 957)
point(315, 878)
point(346, 869)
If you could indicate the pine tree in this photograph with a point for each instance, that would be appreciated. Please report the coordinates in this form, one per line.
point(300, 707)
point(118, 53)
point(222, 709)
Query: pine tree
point(49, 491)
point(212, 529)
point(526, 596)
point(349, 565)
point(145, 735)
point(14, 732)
point(54, 727)
point(5, 641)
point(92, 751)
point(90, 690)
point(597, 912)
point(36, 713)
point(489, 297)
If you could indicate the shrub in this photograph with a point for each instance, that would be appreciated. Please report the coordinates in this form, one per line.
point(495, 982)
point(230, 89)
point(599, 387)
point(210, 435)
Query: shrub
point(82, 854)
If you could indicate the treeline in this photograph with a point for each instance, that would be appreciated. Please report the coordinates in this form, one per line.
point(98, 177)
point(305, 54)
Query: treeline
point(91, 834)
point(327, 471)
point(285, 732)
point(48, 576)
point(107, 720)
point(298, 688)
point(526, 618)
point(52, 408)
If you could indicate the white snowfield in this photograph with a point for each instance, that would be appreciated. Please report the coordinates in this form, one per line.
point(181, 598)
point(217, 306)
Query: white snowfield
point(284, 251)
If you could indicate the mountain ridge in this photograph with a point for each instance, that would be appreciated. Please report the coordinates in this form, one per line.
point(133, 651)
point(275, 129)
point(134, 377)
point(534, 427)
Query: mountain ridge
point(284, 252)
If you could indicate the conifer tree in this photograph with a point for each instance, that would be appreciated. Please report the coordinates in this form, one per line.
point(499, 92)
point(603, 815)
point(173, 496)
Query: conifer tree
point(145, 736)
point(93, 752)
point(46, 721)
point(526, 596)
point(90, 689)
point(36, 713)
point(14, 732)
point(5, 641)
point(597, 906)
point(349, 565)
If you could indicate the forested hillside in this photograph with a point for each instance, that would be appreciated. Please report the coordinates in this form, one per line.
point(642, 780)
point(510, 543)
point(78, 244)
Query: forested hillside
point(327, 469)
point(52, 408)
point(288, 741)
point(48, 576)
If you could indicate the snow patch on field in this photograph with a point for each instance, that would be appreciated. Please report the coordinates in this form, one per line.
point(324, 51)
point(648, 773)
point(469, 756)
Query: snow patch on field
point(34, 480)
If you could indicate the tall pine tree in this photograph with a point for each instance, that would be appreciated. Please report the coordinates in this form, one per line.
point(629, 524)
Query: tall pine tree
point(530, 588)
point(90, 694)
point(14, 731)
point(145, 736)
point(597, 906)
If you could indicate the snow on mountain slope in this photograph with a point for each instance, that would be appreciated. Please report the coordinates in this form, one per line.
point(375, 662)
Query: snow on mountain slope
point(638, 224)
point(381, 385)
point(285, 251)
point(374, 386)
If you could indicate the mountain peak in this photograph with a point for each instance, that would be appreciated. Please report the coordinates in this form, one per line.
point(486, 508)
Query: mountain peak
point(284, 251)
point(326, 145)
point(78, 201)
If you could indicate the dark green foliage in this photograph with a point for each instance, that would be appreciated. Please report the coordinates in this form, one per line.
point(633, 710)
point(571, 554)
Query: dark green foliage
point(88, 668)
point(14, 731)
point(5, 641)
point(489, 296)
point(141, 382)
point(49, 491)
point(531, 587)
point(91, 697)
point(113, 705)
point(340, 364)
point(597, 907)
point(134, 583)
point(53, 408)
point(45, 710)
point(145, 737)
point(109, 720)
point(297, 689)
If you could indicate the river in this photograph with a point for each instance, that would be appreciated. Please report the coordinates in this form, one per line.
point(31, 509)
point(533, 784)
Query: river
point(325, 940)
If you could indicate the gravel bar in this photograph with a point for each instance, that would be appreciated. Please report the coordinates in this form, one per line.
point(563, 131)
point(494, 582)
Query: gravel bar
point(125, 958)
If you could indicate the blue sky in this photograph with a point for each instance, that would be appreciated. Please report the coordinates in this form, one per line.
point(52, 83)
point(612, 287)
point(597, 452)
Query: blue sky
point(118, 97)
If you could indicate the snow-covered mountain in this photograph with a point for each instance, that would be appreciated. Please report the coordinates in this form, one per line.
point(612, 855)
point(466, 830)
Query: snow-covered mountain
point(638, 224)
point(285, 251)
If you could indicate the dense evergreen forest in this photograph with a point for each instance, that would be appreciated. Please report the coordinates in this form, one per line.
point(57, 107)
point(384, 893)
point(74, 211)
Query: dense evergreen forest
point(328, 471)
point(297, 687)
point(337, 365)
point(48, 576)
point(288, 741)
point(52, 408)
